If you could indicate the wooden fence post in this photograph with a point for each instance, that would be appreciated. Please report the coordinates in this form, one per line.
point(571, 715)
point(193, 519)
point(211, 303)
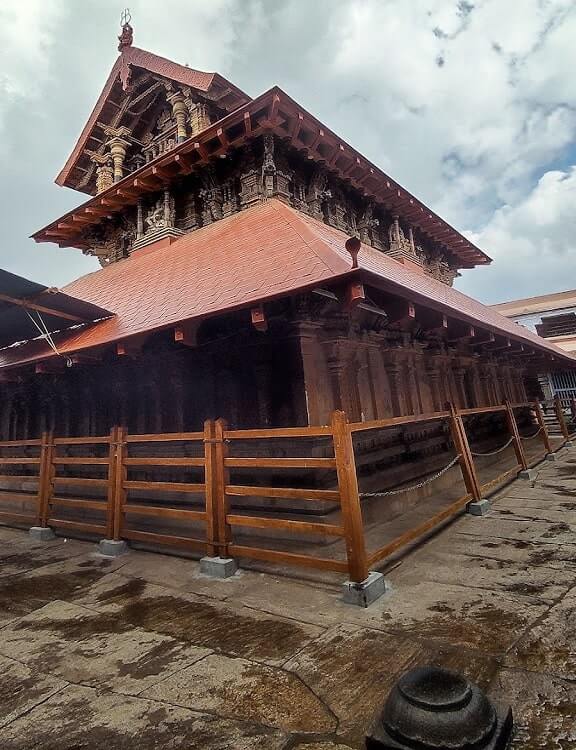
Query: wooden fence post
point(349, 498)
point(516, 442)
point(466, 461)
point(221, 480)
point(542, 424)
point(120, 476)
point(560, 418)
point(46, 478)
point(210, 481)
point(110, 496)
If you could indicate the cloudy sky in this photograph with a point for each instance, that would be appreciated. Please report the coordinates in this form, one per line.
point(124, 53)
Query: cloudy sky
point(469, 104)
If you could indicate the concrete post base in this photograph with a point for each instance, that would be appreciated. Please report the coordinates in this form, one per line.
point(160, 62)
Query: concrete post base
point(218, 567)
point(42, 533)
point(551, 457)
point(529, 474)
point(478, 509)
point(112, 547)
point(363, 594)
point(569, 444)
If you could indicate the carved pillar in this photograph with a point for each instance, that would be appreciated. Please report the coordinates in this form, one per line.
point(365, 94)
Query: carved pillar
point(180, 113)
point(104, 171)
point(118, 148)
point(459, 375)
point(199, 118)
point(313, 385)
point(394, 372)
point(139, 219)
point(343, 370)
point(167, 208)
point(434, 377)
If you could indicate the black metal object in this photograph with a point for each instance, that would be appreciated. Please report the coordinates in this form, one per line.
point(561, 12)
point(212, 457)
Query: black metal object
point(431, 708)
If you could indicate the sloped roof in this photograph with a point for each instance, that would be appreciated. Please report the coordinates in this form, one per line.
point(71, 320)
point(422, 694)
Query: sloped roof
point(267, 251)
point(139, 58)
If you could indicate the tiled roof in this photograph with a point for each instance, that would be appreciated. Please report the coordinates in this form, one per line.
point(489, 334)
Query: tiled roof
point(267, 251)
point(155, 64)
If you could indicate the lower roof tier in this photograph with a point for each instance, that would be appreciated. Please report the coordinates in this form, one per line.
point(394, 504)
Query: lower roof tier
point(263, 253)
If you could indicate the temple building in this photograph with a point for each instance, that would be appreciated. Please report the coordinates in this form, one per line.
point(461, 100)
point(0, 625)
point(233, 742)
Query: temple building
point(255, 267)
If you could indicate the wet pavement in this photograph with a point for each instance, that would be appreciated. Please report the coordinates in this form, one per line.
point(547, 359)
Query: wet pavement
point(145, 651)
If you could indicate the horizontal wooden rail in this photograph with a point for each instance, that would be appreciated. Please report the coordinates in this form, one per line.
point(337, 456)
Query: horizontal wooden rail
point(162, 512)
point(24, 518)
point(74, 502)
point(277, 432)
point(17, 497)
point(13, 460)
point(305, 527)
point(20, 477)
point(164, 539)
point(288, 558)
point(154, 461)
point(282, 492)
point(166, 437)
point(20, 443)
point(81, 481)
point(102, 440)
point(280, 463)
point(376, 424)
point(500, 479)
point(418, 532)
point(87, 528)
point(80, 460)
point(480, 410)
point(164, 486)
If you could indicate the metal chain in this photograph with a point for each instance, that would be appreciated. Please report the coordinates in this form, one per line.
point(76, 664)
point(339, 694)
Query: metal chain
point(529, 437)
point(493, 453)
point(385, 493)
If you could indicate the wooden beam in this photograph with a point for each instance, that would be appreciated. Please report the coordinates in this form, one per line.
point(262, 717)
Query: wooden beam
point(184, 163)
point(50, 366)
point(31, 304)
point(258, 317)
point(353, 295)
point(247, 123)
point(201, 150)
point(187, 333)
point(402, 312)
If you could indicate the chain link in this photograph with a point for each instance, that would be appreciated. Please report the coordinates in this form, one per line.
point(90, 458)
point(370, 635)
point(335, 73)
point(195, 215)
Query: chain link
point(386, 493)
point(529, 437)
point(493, 453)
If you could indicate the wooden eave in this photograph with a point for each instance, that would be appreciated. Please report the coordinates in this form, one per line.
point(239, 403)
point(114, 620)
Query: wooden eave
point(274, 111)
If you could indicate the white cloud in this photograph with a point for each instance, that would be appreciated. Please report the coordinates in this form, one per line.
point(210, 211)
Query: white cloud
point(533, 242)
point(468, 103)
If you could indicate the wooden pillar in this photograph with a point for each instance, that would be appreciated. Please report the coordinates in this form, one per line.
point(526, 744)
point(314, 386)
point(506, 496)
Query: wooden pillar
point(349, 498)
point(466, 460)
point(313, 385)
point(560, 417)
point(542, 425)
point(433, 376)
point(517, 441)
point(120, 477)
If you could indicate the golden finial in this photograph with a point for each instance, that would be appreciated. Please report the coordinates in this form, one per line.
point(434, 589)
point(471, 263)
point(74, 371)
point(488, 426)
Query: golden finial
point(127, 36)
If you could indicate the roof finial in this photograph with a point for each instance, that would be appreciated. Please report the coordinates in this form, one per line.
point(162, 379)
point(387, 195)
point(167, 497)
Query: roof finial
point(127, 36)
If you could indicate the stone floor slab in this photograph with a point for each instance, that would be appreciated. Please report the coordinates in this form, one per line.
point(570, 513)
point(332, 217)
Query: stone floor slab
point(22, 688)
point(245, 690)
point(80, 717)
point(98, 650)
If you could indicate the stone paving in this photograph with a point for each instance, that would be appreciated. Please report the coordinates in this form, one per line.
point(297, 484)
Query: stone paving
point(144, 651)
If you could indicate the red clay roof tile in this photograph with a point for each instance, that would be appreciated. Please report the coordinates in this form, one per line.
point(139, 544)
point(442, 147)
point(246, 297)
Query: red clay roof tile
point(267, 251)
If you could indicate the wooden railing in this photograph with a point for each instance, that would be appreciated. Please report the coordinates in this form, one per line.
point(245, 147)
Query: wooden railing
point(99, 485)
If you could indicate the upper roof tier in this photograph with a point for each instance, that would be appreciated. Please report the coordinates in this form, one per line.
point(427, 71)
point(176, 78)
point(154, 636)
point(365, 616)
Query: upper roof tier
point(124, 152)
point(109, 112)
